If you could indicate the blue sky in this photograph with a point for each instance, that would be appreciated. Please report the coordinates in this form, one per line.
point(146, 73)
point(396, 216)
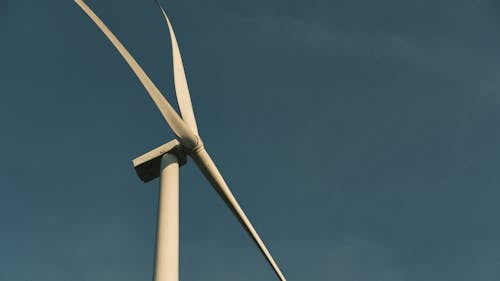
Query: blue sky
point(360, 137)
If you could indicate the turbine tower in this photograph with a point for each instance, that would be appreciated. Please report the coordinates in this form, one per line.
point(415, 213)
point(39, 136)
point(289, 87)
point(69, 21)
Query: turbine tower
point(164, 161)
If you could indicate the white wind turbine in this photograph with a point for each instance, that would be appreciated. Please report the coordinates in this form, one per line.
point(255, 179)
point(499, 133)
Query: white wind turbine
point(164, 160)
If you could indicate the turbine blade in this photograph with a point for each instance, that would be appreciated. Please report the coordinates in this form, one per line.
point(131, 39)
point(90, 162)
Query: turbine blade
point(180, 82)
point(174, 121)
point(207, 166)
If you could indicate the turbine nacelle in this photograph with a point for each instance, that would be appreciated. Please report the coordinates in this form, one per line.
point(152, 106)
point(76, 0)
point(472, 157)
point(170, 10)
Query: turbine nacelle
point(147, 166)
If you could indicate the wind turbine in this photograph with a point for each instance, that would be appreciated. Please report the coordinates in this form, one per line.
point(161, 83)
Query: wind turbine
point(164, 161)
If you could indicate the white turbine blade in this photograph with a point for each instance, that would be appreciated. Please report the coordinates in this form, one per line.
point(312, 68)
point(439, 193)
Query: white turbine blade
point(180, 82)
point(182, 131)
point(207, 166)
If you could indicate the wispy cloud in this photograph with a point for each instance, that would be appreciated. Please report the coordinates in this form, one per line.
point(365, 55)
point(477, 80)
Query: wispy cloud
point(442, 54)
point(318, 36)
point(348, 259)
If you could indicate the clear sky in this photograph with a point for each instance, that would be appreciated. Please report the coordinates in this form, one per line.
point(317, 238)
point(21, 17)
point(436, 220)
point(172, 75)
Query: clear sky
point(361, 138)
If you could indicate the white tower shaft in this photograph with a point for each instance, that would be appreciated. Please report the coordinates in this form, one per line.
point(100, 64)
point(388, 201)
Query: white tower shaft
point(167, 234)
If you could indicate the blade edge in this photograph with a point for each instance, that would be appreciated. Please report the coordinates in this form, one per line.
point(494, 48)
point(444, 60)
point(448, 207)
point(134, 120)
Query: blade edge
point(180, 81)
point(167, 111)
point(208, 168)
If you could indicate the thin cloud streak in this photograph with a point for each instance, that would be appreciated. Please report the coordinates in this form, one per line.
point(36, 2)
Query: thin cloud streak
point(439, 53)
